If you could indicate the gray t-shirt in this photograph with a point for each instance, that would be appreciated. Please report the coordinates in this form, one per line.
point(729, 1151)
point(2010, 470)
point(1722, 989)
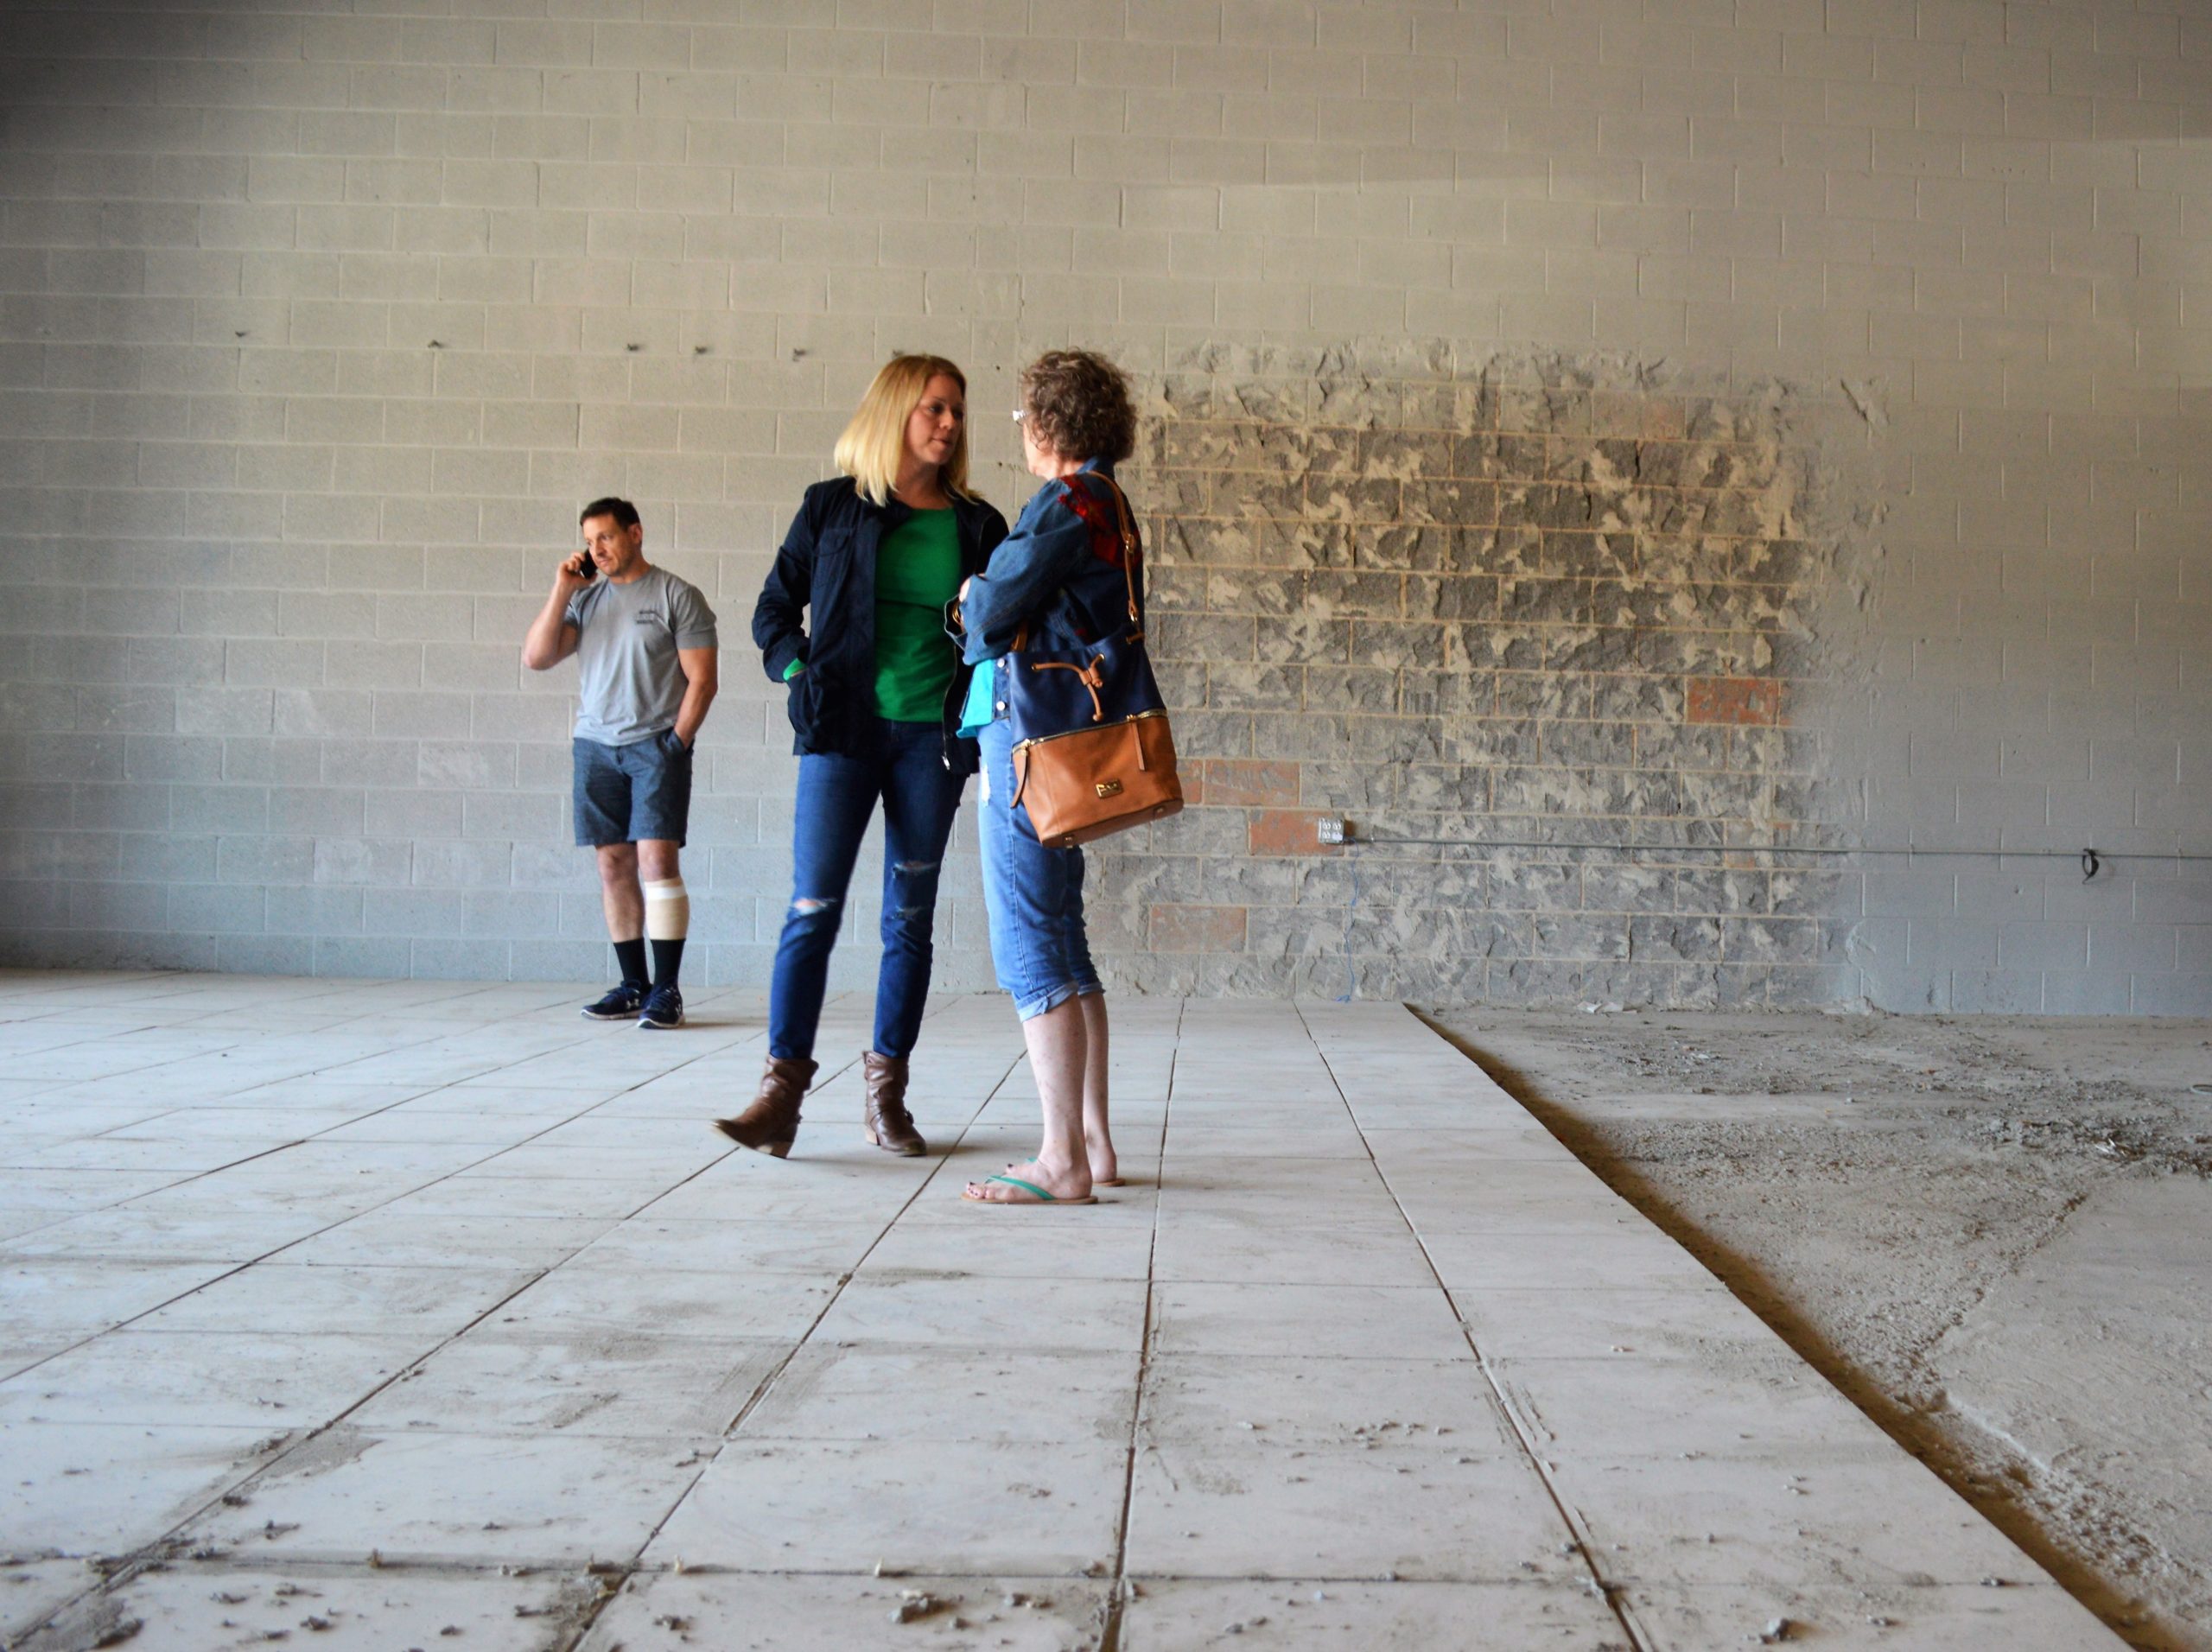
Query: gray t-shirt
point(627, 638)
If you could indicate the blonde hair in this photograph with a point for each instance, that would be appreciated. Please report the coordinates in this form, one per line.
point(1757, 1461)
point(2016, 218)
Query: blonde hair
point(875, 443)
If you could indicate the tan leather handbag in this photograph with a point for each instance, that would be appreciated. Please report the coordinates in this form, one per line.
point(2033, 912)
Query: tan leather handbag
point(1093, 754)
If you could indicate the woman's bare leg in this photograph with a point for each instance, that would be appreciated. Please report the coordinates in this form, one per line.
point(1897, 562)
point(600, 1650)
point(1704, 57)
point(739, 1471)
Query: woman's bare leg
point(1057, 1044)
point(1097, 1137)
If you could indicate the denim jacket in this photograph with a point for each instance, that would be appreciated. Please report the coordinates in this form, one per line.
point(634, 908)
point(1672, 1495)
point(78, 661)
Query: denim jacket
point(1060, 571)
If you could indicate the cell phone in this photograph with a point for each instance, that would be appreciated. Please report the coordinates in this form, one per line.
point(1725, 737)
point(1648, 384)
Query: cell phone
point(590, 571)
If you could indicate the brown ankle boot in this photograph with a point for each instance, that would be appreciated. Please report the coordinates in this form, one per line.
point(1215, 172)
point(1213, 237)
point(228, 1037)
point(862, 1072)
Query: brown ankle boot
point(771, 1124)
point(890, 1126)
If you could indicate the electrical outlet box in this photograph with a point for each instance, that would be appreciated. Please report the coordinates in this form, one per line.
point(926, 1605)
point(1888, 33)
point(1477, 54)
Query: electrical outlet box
point(1333, 829)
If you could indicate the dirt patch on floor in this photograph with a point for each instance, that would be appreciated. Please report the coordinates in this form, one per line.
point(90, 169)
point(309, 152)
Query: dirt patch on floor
point(1992, 1234)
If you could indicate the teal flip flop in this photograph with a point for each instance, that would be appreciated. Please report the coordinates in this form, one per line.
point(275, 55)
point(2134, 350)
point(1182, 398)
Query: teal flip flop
point(1042, 1196)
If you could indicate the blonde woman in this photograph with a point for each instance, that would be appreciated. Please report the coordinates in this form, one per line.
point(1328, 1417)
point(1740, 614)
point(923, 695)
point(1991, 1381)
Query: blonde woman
point(851, 621)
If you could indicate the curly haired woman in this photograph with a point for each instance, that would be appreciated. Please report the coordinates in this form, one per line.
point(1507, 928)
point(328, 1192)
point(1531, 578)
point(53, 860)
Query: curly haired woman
point(1061, 574)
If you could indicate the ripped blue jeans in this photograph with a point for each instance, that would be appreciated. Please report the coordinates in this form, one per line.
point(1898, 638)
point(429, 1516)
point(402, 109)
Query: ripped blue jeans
point(837, 796)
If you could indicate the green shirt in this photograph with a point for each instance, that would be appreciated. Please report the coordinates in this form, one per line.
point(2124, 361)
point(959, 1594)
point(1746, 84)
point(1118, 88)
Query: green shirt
point(917, 571)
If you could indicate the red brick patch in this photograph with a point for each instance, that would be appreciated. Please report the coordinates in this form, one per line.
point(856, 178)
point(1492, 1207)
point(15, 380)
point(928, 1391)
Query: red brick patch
point(1197, 928)
point(1286, 832)
point(1250, 784)
point(1755, 699)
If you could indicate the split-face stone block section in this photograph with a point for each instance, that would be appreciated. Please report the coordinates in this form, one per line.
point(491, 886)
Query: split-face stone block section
point(1531, 601)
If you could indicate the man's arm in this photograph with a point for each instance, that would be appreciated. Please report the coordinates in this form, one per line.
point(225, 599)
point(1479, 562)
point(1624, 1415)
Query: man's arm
point(702, 679)
point(551, 638)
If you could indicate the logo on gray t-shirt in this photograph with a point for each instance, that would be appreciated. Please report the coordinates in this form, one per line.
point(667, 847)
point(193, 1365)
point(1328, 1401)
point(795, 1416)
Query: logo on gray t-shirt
point(631, 682)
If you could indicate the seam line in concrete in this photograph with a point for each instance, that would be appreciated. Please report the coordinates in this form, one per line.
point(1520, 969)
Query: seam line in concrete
point(1110, 1639)
point(631, 1567)
point(1610, 1592)
point(148, 1553)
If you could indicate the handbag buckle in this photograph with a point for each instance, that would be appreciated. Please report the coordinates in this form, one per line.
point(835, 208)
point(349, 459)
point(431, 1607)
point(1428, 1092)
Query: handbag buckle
point(1108, 788)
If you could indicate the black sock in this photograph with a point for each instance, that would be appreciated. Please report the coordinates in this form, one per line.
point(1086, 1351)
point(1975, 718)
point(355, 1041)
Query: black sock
point(631, 954)
point(668, 958)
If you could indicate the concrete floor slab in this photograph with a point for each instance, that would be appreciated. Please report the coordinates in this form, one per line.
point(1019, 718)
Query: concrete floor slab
point(210, 1607)
point(1336, 1321)
point(1925, 1617)
point(1359, 1356)
point(1434, 1151)
point(1225, 1508)
point(1199, 1145)
point(956, 1506)
point(663, 1163)
point(1135, 1208)
point(243, 1190)
point(975, 1311)
point(491, 1099)
point(411, 1303)
point(1624, 1258)
point(255, 1127)
point(82, 1296)
point(273, 1381)
point(407, 1124)
point(582, 1196)
point(113, 1152)
point(1608, 1321)
point(1199, 1196)
point(1797, 1515)
point(94, 1488)
point(1546, 1197)
point(130, 1235)
point(753, 1187)
point(852, 1614)
point(877, 1391)
point(395, 1235)
point(633, 1387)
point(1303, 1615)
point(1124, 1252)
point(34, 1588)
point(1323, 1405)
point(452, 1499)
point(733, 1250)
point(1633, 1405)
point(1199, 1248)
point(610, 1299)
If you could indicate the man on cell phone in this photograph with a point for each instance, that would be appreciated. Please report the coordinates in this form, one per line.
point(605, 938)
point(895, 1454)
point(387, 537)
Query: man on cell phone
point(645, 646)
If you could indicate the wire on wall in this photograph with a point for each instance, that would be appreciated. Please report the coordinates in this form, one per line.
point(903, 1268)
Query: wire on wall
point(2091, 860)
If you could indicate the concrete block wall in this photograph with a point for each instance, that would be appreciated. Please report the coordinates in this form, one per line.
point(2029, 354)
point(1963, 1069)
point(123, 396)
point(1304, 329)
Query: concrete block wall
point(315, 328)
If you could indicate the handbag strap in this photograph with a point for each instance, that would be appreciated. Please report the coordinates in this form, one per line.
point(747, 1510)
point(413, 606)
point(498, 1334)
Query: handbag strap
point(1129, 542)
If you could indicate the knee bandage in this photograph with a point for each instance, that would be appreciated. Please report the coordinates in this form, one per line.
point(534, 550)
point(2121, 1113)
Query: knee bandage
point(668, 911)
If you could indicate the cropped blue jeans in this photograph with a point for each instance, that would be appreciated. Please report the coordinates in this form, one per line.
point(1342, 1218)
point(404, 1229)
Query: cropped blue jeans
point(1033, 895)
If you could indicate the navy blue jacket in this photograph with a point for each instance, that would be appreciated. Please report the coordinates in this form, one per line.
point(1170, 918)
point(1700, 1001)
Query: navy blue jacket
point(1059, 572)
point(827, 565)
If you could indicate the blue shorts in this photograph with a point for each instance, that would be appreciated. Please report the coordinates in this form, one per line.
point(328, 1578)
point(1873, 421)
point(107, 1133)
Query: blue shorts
point(628, 794)
point(1033, 895)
